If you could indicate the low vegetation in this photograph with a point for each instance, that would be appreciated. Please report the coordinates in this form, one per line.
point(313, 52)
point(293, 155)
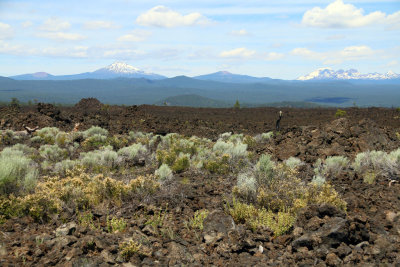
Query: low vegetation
point(55, 171)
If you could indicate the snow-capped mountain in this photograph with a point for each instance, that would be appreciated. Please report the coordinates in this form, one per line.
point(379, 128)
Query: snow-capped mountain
point(115, 70)
point(122, 69)
point(351, 74)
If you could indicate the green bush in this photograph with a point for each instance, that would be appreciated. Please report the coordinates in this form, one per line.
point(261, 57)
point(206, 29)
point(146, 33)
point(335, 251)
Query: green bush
point(64, 166)
point(133, 152)
point(52, 153)
point(48, 134)
point(164, 173)
point(236, 151)
point(340, 113)
point(19, 149)
point(265, 169)
point(264, 137)
point(95, 130)
point(293, 163)
point(181, 163)
point(247, 186)
point(331, 166)
point(100, 158)
point(17, 173)
point(63, 139)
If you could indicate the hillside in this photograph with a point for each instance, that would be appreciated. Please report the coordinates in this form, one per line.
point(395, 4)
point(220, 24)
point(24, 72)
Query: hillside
point(160, 186)
point(131, 91)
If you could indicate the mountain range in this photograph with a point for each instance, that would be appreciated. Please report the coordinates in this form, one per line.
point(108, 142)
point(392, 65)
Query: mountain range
point(120, 83)
point(123, 70)
point(115, 70)
point(351, 74)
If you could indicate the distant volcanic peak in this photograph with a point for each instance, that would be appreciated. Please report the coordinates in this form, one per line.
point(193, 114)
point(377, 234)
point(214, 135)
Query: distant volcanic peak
point(122, 67)
point(224, 72)
point(317, 74)
point(41, 74)
point(351, 74)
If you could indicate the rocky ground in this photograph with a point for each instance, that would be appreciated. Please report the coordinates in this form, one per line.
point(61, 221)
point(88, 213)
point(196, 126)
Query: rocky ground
point(368, 234)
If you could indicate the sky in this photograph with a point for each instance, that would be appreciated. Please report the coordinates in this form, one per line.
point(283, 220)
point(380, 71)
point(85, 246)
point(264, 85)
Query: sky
point(281, 39)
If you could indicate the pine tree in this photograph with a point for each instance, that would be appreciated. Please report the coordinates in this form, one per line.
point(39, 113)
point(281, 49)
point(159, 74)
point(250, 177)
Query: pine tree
point(237, 104)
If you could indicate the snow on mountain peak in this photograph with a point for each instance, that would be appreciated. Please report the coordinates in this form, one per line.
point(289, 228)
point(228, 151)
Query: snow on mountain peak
point(122, 67)
point(351, 74)
point(224, 72)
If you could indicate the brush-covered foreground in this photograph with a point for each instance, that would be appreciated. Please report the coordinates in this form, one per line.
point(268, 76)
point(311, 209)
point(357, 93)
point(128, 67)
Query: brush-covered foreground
point(303, 196)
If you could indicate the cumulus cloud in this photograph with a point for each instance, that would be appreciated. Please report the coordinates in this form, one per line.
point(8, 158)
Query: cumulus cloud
point(6, 31)
point(23, 50)
point(392, 63)
point(394, 21)
point(240, 33)
point(99, 24)
point(305, 52)
point(123, 53)
point(55, 25)
point(75, 52)
point(238, 53)
point(161, 16)
point(351, 53)
point(61, 36)
point(135, 36)
point(273, 56)
point(244, 53)
point(12, 49)
point(341, 15)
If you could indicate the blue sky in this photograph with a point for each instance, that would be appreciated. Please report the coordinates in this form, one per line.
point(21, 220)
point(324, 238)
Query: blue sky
point(279, 39)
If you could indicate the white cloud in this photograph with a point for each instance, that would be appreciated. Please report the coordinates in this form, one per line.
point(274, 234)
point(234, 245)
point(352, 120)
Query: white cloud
point(6, 31)
point(242, 32)
point(392, 63)
point(23, 50)
point(244, 53)
point(351, 53)
point(99, 24)
point(61, 36)
point(135, 36)
point(26, 24)
point(75, 52)
point(12, 49)
point(123, 53)
point(273, 56)
point(55, 25)
point(238, 53)
point(394, 20)
point(341, 15)
point(304, 52)
point(161, 16)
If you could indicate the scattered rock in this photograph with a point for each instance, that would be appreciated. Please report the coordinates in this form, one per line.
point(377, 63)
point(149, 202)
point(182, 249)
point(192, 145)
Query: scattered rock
point(333, 260)
point(218, 221)
point(66, 229)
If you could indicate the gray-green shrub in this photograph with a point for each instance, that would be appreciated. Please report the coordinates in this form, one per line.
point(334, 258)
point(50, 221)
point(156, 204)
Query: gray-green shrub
point(64, 166)
point(164, 173)
point(293, 163)
point(100, 158)
point(133, 152)
point(331, 166)
point(53, 153)
point(264, 137)
point(47, 134)
point(265, 169)
point(247, 186)
point(17, 173)
point(95, 130)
